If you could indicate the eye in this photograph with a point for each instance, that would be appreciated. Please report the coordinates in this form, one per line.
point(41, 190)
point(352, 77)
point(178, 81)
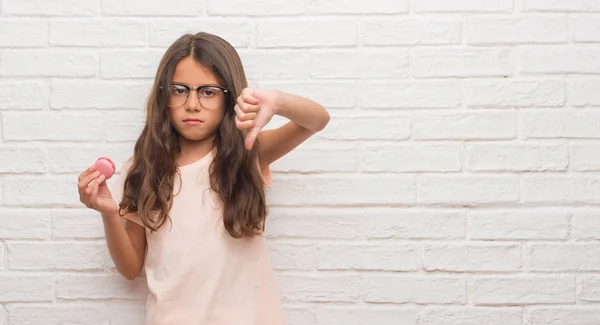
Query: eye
point(209, 92)
point(179, 90)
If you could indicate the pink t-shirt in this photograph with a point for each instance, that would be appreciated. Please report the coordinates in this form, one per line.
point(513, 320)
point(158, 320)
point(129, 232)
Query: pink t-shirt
point(196, 272)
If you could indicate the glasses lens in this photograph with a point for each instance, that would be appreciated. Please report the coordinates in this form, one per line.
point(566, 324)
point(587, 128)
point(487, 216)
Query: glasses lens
point(178, 96)
point(211, 97)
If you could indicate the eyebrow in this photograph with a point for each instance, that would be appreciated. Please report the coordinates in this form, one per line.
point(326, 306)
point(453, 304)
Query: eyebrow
point(175, 83)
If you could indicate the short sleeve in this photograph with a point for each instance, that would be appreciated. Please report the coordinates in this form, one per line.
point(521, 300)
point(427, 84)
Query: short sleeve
point(116, 189)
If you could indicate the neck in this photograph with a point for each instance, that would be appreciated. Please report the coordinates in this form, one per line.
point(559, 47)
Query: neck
point(193, 150)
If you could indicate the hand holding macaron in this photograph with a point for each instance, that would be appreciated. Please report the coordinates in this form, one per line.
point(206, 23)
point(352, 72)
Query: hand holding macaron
point(93, 191)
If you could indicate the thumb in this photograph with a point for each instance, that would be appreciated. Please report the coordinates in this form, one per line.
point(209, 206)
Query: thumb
point(251, 137)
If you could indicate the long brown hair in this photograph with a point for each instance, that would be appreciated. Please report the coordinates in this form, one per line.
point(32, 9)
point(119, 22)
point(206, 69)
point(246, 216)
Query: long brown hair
point(234, 172)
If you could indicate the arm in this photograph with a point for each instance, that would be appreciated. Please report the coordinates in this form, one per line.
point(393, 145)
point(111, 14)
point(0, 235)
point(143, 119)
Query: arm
point(256, 107)
point(127, 245)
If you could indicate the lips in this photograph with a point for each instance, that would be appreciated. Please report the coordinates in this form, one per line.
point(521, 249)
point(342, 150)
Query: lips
point(192, 119)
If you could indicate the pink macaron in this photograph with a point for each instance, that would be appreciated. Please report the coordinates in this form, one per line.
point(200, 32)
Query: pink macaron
point(105, 166)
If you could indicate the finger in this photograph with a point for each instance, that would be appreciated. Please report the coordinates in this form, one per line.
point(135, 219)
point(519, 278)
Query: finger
point(243, 116)
point(94, 192)
point(85, 182)
point(247, 107)
point(242, 125)
point(86, 172)
point(248, 96)
point(251, 137)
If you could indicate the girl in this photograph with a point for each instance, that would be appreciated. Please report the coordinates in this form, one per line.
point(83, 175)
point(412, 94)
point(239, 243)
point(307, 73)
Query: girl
point(193, 196)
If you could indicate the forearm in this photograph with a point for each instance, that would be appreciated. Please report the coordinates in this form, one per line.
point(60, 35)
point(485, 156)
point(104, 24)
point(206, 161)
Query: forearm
point(302, 111)
point(121, 247)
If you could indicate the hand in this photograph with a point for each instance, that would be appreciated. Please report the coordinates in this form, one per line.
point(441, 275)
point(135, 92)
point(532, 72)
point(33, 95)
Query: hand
point(254, 109)
point(94, 193)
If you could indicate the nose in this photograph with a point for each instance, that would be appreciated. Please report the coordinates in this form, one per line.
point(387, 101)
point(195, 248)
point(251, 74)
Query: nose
point(193, 102)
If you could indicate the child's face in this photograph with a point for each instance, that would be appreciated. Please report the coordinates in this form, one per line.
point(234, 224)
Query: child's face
point(199, 116)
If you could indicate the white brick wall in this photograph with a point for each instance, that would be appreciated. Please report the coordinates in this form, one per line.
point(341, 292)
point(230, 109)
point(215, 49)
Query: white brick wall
point(457, 183)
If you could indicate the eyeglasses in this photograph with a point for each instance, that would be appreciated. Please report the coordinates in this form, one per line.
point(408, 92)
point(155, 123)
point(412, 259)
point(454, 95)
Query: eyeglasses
point(209, 96)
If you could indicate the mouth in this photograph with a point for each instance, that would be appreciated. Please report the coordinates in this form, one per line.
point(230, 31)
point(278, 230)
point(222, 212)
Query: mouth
point(192, 121)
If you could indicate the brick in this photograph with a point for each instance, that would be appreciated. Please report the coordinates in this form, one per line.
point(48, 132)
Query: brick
point(23, 33)
point(511, 93)
point(321, 288)
point(255, 8)
point(74, 159)
point(57, 314)
point(484, 125)
point(414, 224)
point(472, 257)
point(24, 224)
point(299, 315)
point(563, 6)
point(324, 7)
point(124, 126)
point(28, 126)
point(431, 63)
point(588, 288)
point(518, 30)
point(129, 64)
point(421, 158)
point(413, 289)
point(77, 224)
point(380, 128)
point(409, 31)
point(368, 257)
point(50, 8)
point(274, 64)
point(470, 316)
point(519, 224)
point(310, 32)
point(23, 159)
point(155, 8)
point(351, 63)
point(563, 315)
point(584, 28)
point(16, 287)
point(558, 60)
point(310, 159)
point(468, 190)
point(24, 95)
point(584, 123)
point(585, 225)
point(369, 223)
point(99, 94)
point(331, 94)
point(328, 190)
point(584, 92)
point(40, 191)
point(523, 290)
point(409, 94)
point(314, 223)
point(365, 316)
point(58, 256)
point(105, 32)
point(287, 256)
point(585, 157)
point(560, 189)
point(516, 157)
point(467, 6)
point(100, 286)
point(164, 32)
point(49, 63)
point(127, 313)
point(574, 257)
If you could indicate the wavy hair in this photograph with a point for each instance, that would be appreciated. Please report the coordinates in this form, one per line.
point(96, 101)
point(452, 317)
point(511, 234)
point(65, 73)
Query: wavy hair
point(234, 172)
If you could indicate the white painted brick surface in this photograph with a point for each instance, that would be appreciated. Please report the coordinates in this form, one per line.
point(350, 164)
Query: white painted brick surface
point(470, 316)
point(458, 181)
point(523, 290)
point(57, 314)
